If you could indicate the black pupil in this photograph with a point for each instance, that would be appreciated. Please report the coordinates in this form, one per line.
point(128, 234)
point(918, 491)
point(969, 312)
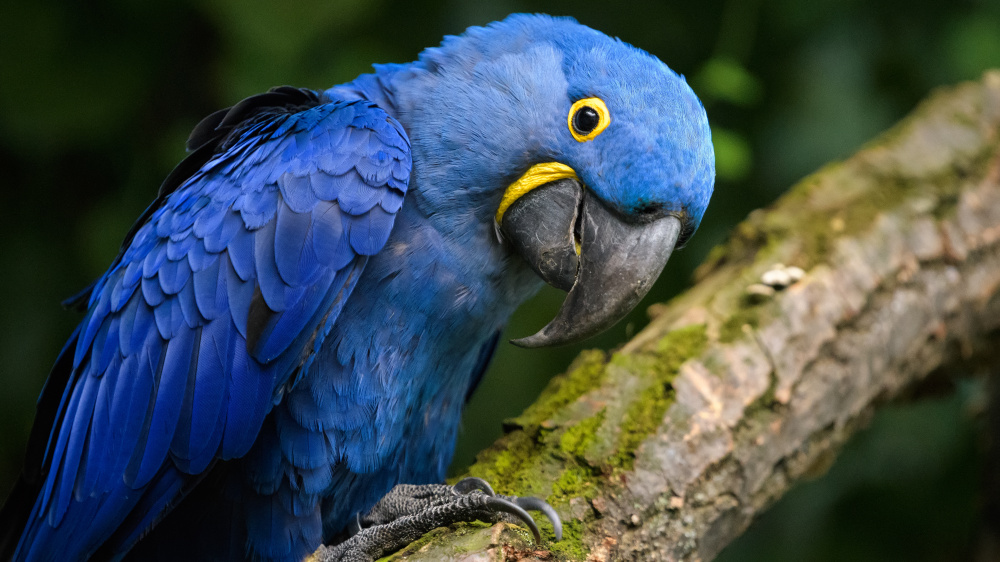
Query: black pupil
point(585, 120)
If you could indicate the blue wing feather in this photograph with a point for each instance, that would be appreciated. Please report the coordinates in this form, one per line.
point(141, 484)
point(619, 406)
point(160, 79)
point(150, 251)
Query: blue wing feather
point(152, 292)
point(210, 389)
point(210, 290)
point(295, 267)
point(259, 239)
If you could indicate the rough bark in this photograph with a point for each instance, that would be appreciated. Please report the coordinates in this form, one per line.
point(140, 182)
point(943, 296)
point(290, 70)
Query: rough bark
point(668, 447)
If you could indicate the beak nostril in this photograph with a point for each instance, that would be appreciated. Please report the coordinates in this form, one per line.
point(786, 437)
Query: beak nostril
point(648, 211)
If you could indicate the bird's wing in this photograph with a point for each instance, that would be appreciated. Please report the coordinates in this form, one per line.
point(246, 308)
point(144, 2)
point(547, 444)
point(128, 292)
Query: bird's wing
point(222, 291)
point(486, 353)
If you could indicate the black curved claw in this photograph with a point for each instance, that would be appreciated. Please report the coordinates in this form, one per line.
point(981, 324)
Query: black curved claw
point(500, 504)
point(538, 504)
point(354, 527)
point(471, 484)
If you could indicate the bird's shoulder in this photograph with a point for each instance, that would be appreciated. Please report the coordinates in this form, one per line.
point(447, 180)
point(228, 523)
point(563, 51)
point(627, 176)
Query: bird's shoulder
point(221, 291)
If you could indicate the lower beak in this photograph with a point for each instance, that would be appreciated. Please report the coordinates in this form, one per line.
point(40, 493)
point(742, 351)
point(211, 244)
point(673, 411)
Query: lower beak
point(575, 243)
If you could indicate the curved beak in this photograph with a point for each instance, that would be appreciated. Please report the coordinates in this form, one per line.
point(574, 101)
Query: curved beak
point(575, 243)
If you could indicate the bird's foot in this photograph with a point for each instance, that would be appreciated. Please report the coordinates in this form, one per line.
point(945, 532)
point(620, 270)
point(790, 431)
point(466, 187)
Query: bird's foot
point(407, 512)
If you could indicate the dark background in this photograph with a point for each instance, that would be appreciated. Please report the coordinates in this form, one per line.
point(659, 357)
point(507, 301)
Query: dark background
point(97, 98)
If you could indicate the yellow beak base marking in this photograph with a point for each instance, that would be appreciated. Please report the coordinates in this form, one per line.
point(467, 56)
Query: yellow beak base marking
point(539, 174)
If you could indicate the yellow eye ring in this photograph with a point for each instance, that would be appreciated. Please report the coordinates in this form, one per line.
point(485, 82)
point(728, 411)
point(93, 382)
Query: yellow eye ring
point(588, 118)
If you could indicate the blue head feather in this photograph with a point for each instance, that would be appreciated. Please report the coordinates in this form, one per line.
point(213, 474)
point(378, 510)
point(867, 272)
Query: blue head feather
point(498, 96)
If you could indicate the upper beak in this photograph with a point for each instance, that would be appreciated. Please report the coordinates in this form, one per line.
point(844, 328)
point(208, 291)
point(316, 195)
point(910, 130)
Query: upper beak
point(575, 243)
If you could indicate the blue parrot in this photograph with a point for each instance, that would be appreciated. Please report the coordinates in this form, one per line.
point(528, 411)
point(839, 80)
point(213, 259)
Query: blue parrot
point(293, 326)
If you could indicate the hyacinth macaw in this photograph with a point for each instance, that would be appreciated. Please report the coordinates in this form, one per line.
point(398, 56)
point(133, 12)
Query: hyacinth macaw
point(293, 326)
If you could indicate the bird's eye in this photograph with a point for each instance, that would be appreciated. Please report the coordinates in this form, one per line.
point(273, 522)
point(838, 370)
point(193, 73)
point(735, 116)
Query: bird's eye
point(588, 118)
point(585, 120)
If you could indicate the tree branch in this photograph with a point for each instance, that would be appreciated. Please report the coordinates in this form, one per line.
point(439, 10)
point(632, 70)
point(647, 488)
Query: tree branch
point(667, 448)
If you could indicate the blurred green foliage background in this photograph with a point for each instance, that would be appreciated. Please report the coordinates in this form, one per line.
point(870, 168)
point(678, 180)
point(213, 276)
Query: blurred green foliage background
point(97, 98)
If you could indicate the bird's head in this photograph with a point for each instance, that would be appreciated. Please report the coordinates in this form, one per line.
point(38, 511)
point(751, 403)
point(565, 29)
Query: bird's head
point(591, 158)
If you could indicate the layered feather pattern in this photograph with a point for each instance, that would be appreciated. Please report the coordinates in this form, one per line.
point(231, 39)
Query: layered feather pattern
point(281, 339)
point(202, 322)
